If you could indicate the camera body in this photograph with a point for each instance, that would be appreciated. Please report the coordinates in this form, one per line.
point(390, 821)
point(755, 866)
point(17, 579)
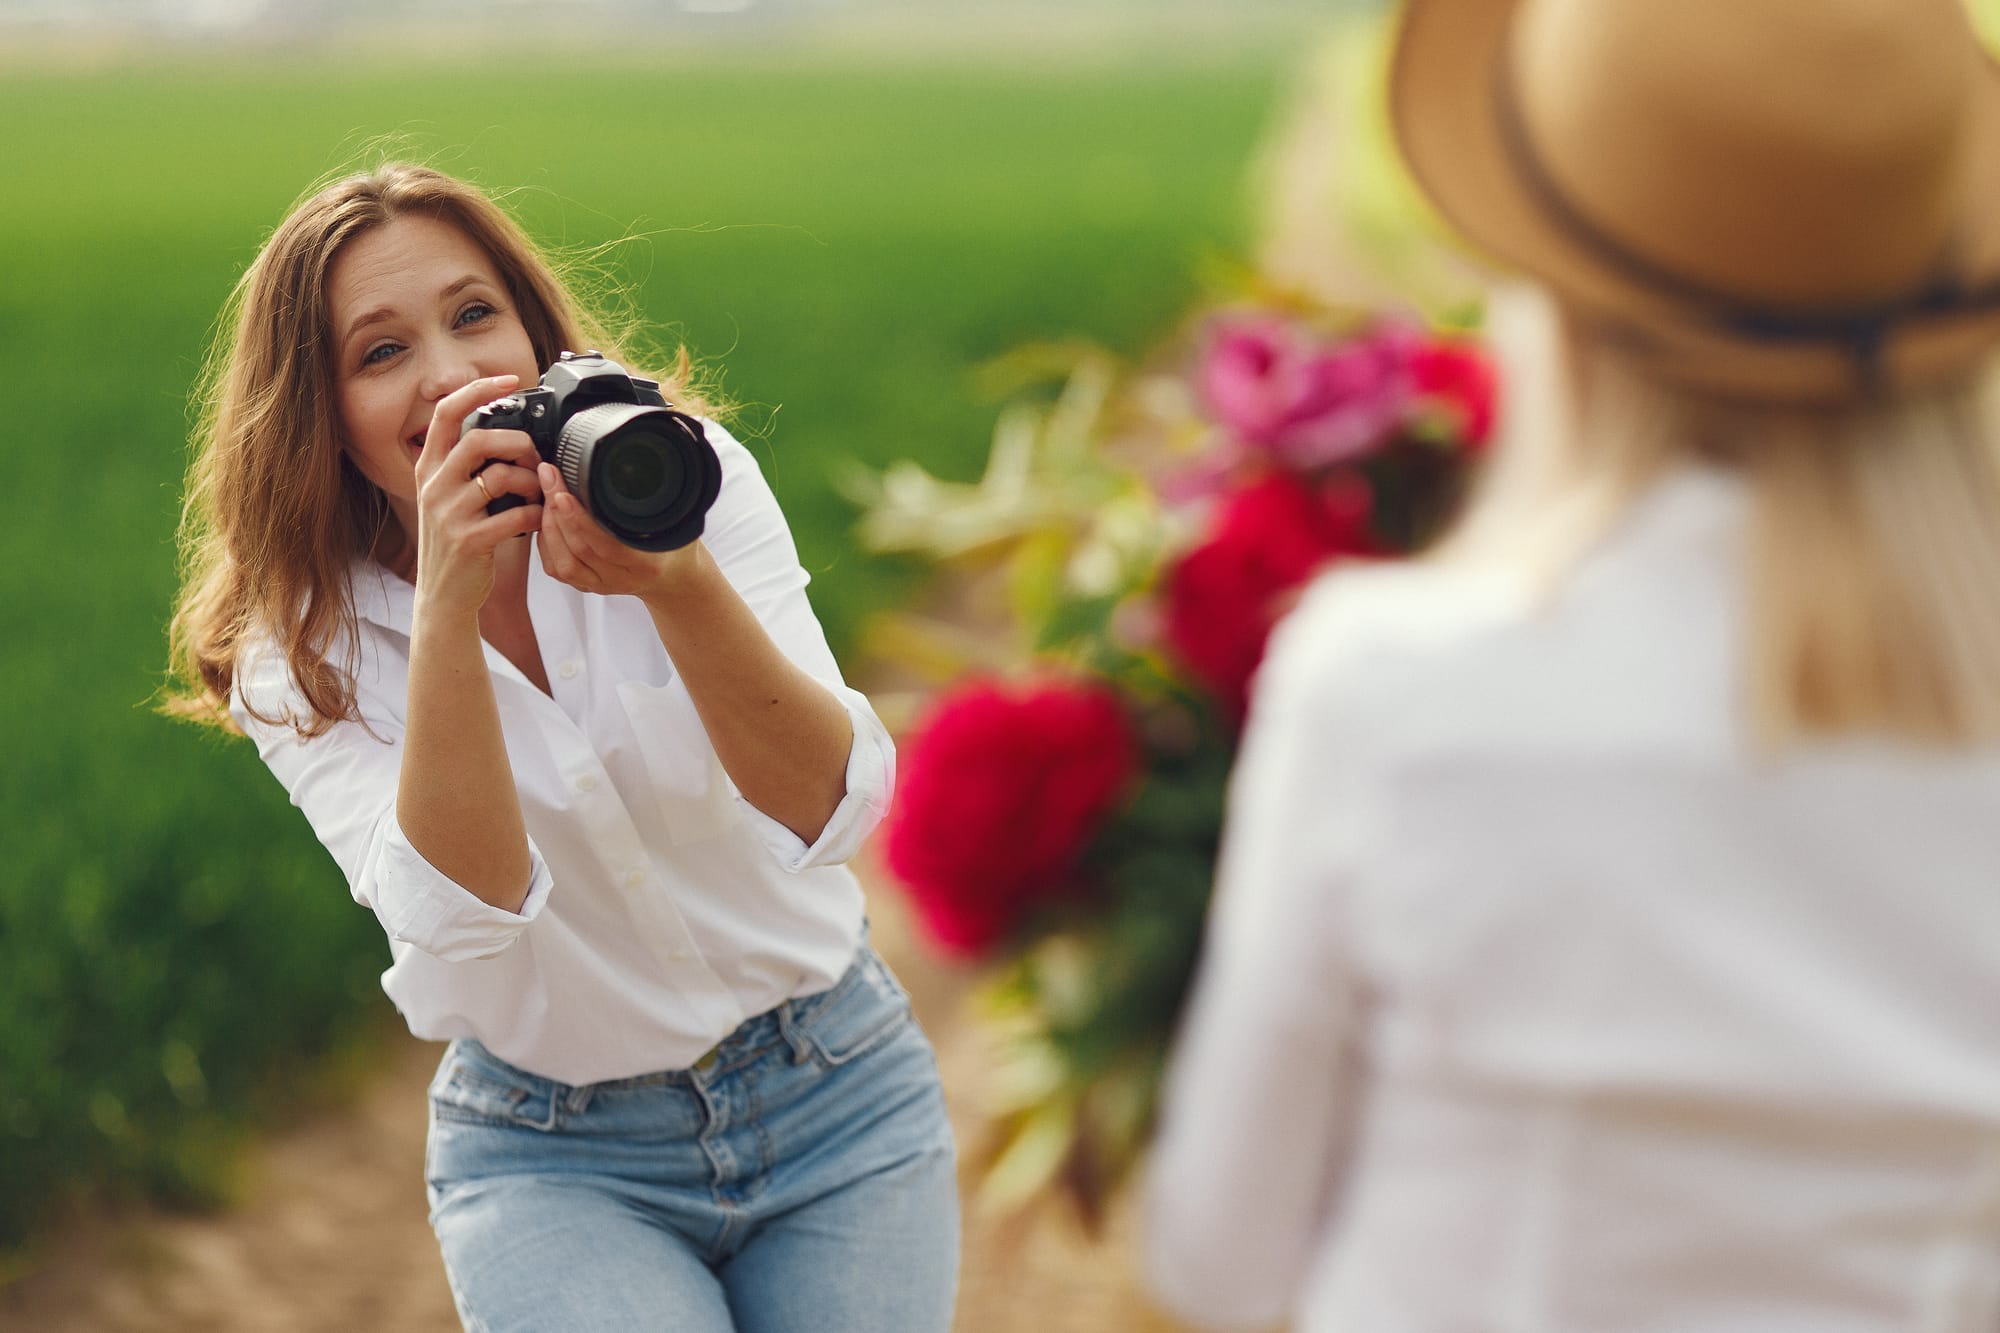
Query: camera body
point(644, 471)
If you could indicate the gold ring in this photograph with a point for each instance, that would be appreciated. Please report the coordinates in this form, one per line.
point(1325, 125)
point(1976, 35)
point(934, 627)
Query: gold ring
point(480, 478)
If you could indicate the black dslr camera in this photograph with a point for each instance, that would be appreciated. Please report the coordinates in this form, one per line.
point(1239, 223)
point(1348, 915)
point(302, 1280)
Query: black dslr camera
point(644, 471)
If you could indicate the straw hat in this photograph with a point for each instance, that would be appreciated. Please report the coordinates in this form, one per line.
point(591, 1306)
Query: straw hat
point(1786, 200)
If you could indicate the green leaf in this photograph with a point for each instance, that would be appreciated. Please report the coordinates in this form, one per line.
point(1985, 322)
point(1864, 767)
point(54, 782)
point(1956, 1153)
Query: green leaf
point(1031, 1156)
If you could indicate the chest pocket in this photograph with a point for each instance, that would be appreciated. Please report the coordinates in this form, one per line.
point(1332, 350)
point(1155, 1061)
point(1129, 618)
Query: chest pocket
point(695, 796)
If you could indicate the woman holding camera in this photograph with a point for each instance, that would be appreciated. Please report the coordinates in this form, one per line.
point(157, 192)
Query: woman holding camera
point(599, 797)
point(1607, 935)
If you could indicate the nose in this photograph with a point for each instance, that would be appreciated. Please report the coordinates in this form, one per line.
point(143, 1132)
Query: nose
point(445, 370)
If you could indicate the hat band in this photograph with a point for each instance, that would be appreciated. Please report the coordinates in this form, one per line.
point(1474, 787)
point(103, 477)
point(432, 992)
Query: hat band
point(1862, 330)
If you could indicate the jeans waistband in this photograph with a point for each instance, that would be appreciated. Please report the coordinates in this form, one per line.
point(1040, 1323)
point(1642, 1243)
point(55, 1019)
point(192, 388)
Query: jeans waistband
point(778, 1026)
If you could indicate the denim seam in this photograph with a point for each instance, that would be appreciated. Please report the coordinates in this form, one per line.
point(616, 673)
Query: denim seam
point(765, 1155)
point(744, 1060)
point(712, 1121)
point(718, 1153)
point(466, 1074)
point(458, 1115)
point(876, 1036)
point(444, 1108)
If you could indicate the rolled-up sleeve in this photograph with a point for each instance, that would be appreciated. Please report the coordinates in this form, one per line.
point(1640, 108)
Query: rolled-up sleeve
point(871, 778)
point(419, 905)
point(1257, 1103)
point(753, 547)
point(344, 781)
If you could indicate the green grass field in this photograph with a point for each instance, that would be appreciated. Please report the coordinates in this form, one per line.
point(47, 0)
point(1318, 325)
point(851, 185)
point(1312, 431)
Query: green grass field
point(846, 242)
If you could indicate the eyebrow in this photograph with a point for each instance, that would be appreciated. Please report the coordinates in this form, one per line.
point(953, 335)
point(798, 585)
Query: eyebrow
point(380, 313)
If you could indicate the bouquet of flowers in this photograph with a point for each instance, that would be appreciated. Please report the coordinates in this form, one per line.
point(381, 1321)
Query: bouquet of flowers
point(1061, 797)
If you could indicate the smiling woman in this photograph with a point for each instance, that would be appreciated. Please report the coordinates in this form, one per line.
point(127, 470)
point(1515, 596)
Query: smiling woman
point(284, 491)
point(600, 798)
point(407, 332)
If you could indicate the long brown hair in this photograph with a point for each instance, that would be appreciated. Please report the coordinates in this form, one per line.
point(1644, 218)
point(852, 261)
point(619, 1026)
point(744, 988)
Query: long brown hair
point(274, 511)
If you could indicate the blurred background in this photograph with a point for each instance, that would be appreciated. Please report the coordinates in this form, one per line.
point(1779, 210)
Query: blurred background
point(209, 1117)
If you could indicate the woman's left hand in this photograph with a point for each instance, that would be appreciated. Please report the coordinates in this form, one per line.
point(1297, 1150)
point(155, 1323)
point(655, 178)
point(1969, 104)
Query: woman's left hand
point(578, 551)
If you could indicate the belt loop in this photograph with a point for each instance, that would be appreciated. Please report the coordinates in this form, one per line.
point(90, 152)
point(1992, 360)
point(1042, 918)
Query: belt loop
point(555, 1105)
point(788, 1029)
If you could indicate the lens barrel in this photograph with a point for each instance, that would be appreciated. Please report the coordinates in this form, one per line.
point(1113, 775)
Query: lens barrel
point(647, 474)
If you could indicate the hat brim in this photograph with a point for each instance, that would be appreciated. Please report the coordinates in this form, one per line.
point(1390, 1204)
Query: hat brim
point(1445, 91)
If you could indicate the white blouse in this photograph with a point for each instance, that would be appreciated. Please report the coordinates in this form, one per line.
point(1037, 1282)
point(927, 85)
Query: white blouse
point(1533, 1002)
point(664, 908)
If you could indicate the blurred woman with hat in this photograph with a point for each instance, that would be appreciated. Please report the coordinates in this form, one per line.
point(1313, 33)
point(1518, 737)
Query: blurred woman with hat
point(1607, 934)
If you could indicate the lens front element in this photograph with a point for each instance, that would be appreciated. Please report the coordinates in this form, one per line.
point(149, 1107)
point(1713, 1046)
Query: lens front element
point(647, 474)
point(641, 473)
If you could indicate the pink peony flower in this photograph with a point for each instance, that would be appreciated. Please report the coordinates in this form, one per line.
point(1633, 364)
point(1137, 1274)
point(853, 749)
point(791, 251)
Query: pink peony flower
point(1308, 404)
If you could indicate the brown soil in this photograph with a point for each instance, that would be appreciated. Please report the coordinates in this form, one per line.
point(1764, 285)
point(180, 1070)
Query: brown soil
point(332, 1238)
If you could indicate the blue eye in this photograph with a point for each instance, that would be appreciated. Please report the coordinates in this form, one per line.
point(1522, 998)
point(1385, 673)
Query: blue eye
point(379, 353)
point(474, 313)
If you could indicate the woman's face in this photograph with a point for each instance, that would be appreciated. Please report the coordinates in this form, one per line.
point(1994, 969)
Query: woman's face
point(418, 310)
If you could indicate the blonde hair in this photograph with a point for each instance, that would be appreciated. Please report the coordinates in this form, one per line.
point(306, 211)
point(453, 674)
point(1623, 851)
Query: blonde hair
point(1873, 578)
point(274, 511)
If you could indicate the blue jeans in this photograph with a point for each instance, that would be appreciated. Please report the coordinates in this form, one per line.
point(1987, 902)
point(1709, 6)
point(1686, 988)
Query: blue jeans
point(800, 1178)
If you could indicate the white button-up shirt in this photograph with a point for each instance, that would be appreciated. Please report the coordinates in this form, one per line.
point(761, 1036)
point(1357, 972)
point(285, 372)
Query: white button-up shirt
point(1534, 1002)
point(664, 908)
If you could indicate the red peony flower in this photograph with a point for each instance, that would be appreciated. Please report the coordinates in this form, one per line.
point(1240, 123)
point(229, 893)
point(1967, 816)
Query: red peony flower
point(1457, 375)
point(1224, 596)
point(1002, 788)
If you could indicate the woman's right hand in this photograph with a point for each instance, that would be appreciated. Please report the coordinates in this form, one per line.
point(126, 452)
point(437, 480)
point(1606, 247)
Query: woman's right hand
point(456, 478)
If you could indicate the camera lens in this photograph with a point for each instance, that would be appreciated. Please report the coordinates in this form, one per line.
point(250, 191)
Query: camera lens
point(646, 473)
point(640, 473)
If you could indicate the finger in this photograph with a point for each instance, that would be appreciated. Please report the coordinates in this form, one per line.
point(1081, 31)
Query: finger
point(593, 547)
point(593, 558)
point(560, 511)
point(452, 409)
point(480, 447)
point(557, 557)
point(587, 536)
point(506, 479)
point(459, 504)
point(510, 523)
point(552, 480)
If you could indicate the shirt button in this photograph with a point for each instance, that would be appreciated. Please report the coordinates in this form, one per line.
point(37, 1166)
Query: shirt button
point(569, 669)
point(680, 955)
point(588, 782)
point(634, 878)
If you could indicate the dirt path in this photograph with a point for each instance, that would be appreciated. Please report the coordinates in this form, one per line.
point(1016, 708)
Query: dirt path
point(332, 1237)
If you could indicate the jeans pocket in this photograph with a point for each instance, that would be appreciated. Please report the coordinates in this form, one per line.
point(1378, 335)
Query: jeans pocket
point(864, 1009)
point(467, 1093)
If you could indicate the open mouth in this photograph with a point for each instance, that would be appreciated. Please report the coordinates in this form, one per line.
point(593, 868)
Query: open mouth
point(416, 442)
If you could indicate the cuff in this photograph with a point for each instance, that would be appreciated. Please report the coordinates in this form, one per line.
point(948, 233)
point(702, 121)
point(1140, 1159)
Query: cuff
point(421, 906)
point(871, 778)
